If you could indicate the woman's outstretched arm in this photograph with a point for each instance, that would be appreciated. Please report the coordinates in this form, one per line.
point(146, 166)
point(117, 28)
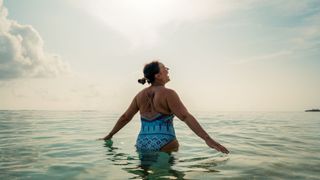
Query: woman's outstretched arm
point(177, 107)
point(124, 119)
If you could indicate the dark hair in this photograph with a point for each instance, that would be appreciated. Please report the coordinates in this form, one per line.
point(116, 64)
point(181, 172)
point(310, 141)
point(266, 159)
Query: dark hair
point(149, 71)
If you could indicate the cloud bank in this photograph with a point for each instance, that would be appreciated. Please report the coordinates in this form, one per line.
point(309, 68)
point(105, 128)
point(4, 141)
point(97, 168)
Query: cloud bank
point(22, 52)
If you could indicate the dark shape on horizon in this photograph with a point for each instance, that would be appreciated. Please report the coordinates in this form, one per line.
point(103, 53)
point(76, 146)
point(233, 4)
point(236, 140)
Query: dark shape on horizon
point(312, 110)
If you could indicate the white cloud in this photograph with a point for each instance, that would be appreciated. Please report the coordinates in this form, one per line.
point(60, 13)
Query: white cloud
point(22, 53)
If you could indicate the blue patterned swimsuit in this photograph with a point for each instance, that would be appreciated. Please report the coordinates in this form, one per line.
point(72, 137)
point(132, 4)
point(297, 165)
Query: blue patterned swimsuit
point(155, 132)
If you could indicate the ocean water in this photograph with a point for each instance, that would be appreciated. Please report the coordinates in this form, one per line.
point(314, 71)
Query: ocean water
point(64, 145)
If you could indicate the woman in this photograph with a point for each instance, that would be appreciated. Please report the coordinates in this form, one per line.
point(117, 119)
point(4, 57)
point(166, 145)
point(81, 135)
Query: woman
point(158, 105)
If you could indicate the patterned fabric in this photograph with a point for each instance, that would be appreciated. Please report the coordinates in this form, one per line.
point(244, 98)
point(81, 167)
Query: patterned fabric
point(155, 133)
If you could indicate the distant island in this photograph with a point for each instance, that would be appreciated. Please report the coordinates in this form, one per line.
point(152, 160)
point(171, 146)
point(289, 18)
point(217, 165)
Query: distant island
point(312, 110)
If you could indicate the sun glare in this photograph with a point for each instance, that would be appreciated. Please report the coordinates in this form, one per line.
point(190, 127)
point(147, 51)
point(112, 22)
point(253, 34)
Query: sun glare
point(137, 20)
point(141, 21)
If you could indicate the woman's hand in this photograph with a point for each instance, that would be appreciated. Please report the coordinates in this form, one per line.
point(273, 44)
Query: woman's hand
point(106, 137)
point(213, 144)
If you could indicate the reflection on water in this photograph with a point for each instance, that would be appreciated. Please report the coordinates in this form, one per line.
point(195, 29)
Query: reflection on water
point(145, 165)
point(155, 165)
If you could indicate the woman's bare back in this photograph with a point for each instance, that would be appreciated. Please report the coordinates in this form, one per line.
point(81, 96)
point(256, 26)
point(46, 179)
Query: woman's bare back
point(153, 100)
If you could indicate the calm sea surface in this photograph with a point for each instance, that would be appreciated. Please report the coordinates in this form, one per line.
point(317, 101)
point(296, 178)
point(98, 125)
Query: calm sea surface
point(63, 145)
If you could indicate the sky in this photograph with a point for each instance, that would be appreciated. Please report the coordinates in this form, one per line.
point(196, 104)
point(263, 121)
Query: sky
point(223, 55)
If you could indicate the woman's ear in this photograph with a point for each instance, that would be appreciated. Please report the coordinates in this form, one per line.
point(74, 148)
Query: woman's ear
point(157, 76)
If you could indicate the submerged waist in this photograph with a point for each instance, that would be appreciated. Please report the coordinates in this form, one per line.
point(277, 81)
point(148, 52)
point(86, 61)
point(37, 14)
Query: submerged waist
point(155, 133)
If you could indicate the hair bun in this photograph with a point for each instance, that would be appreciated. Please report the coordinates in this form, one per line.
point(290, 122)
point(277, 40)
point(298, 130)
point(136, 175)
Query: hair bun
point(142, 80)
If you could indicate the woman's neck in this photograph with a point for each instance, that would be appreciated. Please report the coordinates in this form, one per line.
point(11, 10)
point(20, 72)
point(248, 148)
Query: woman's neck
point(157, 84)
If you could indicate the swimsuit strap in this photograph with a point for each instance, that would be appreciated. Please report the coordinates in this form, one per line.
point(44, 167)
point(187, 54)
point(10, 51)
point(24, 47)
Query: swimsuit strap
point(150, 103)
point(150, 100)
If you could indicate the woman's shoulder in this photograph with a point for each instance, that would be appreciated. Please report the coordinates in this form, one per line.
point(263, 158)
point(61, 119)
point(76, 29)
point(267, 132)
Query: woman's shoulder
point(168, 90)
point(141, 92)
